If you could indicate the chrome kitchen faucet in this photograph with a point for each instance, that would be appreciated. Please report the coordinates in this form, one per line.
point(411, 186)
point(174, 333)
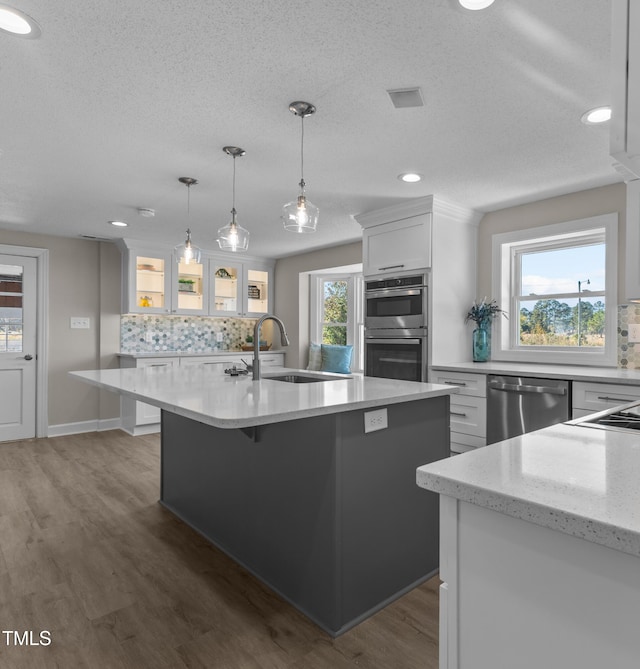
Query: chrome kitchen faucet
point(256, 341)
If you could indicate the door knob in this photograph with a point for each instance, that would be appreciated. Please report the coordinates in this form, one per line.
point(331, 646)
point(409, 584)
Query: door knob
point(28, 357)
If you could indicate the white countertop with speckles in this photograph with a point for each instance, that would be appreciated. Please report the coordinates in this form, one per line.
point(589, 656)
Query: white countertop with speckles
point(201, 393)
point(578, 480)
point(571, 372)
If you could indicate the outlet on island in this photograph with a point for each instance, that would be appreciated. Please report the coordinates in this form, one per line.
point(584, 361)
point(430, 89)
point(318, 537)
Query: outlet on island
point(375, 420)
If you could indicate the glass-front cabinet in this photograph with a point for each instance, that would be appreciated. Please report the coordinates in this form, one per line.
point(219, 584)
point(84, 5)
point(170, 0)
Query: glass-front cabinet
point(239, 289)
point(190, 289)
point(154, 282)
point(226, 283)
point(149, 282)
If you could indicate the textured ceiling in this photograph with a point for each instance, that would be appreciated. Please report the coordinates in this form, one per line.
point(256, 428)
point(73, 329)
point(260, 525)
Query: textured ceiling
point(118, 99)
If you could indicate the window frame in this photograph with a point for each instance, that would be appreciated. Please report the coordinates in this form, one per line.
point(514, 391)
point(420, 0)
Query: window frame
point(355, 313)
point(506, 281)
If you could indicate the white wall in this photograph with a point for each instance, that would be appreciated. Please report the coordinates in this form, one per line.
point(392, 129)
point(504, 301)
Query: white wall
point(84, 280)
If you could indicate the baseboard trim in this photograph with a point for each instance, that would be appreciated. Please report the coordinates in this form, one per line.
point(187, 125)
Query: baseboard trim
point(64, 429)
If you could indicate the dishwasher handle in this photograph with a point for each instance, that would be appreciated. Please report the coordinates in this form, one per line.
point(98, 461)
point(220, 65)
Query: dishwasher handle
point(523, 388)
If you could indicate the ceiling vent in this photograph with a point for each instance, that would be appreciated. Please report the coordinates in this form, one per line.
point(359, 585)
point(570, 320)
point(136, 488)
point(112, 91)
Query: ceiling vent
point(406, 97)
point(96, 239)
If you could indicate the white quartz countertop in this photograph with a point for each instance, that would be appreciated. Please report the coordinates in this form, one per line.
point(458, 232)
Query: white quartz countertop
point(570, 372)
point(227, 401)
point(578, 480)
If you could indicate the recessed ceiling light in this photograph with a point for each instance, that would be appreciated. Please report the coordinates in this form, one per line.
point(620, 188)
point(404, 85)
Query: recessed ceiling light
point(18, 23)
point(475, 4)
point(597, 115)
point(410, 177)
point(119, 224)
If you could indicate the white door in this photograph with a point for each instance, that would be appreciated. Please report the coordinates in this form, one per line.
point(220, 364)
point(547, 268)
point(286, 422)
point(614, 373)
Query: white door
point(18, 307)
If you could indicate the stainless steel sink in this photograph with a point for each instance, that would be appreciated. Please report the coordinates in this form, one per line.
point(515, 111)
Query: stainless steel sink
point(297, 378)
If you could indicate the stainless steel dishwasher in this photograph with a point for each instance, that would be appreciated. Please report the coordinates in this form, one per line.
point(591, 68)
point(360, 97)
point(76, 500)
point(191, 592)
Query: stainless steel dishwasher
point(518, 404)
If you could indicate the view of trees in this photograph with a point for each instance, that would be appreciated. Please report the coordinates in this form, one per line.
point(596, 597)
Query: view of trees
point(334, 330)
point(555, 323)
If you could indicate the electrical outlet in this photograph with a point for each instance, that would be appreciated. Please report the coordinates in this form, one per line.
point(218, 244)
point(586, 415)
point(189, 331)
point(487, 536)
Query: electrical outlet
point(634, 333)
point(148, 337)
point(219, 336)
point(375, 420)
point(79, 323)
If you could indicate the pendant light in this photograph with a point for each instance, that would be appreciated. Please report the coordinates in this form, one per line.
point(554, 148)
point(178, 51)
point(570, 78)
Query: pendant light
point(187, 253)
point(233, 237)
point(301, 215)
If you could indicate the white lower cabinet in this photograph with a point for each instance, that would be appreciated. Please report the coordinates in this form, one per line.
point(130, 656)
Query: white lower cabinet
point(518, 595)
point(140, 418)
point(591, 397)
point(467, 409)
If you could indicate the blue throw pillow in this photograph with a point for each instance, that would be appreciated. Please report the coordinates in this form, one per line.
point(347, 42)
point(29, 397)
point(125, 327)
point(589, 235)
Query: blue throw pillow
point(336, 358)
point(315, 357)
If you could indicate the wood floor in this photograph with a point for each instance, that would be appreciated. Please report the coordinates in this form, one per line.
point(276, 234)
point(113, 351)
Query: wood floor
point(88, 554)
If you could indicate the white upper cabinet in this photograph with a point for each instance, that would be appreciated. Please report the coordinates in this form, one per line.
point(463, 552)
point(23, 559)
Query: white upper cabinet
point(147, 281)
point(240, 288)
point(625, 87)
point(632, 248)
point(397, 246)
point(155, 283)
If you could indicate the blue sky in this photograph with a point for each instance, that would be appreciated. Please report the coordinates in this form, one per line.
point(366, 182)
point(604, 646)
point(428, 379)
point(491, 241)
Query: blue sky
point(560, 270)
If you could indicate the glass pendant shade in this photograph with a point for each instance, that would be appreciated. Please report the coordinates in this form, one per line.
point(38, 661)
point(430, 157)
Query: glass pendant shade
point(188, 253)
point(300, 215)
point(233, 237)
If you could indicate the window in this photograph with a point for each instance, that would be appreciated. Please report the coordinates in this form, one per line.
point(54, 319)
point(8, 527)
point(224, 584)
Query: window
point(558, 285)
point(337, 312)
point(11, 312)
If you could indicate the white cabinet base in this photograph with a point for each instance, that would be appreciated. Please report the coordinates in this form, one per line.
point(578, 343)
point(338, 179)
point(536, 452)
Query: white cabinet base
point(521, 595)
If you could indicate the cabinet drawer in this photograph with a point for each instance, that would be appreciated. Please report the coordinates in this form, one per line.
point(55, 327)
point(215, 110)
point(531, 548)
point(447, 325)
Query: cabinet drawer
point(470, 384)
point(210, 363)
point(461, 442)
point(158, 362)
point(272, 360)
point(468, 415)
point(601, 396)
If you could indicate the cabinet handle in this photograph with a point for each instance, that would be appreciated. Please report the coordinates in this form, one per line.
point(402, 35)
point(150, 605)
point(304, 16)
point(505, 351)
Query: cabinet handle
point(381, 269)
point(615, 399)
point(159, 364)
point(455, 383)
point(456, 413)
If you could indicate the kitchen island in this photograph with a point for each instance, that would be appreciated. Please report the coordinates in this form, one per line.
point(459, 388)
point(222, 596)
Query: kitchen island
point(540, 551)
point(284, 478)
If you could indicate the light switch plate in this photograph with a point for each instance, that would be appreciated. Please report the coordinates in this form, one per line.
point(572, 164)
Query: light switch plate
point(219, 336)
point(79, 323)
point(634, 333)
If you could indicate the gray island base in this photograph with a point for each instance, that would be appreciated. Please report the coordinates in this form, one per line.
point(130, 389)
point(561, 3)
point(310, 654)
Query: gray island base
point(326, 515)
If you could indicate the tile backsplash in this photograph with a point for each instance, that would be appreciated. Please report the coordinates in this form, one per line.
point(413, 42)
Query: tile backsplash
point(150, 333)
point(628, 354)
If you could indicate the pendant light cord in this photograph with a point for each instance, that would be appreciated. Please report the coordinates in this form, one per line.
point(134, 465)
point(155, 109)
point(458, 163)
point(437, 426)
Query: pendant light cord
point(302, 153)
point(234, 186)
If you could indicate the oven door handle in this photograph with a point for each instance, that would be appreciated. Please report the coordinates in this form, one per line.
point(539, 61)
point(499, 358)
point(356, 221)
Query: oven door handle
point(410, 341)
point(392, 292)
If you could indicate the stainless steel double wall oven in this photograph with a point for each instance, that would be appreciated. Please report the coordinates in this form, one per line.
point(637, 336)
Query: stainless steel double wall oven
point(396, 327)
